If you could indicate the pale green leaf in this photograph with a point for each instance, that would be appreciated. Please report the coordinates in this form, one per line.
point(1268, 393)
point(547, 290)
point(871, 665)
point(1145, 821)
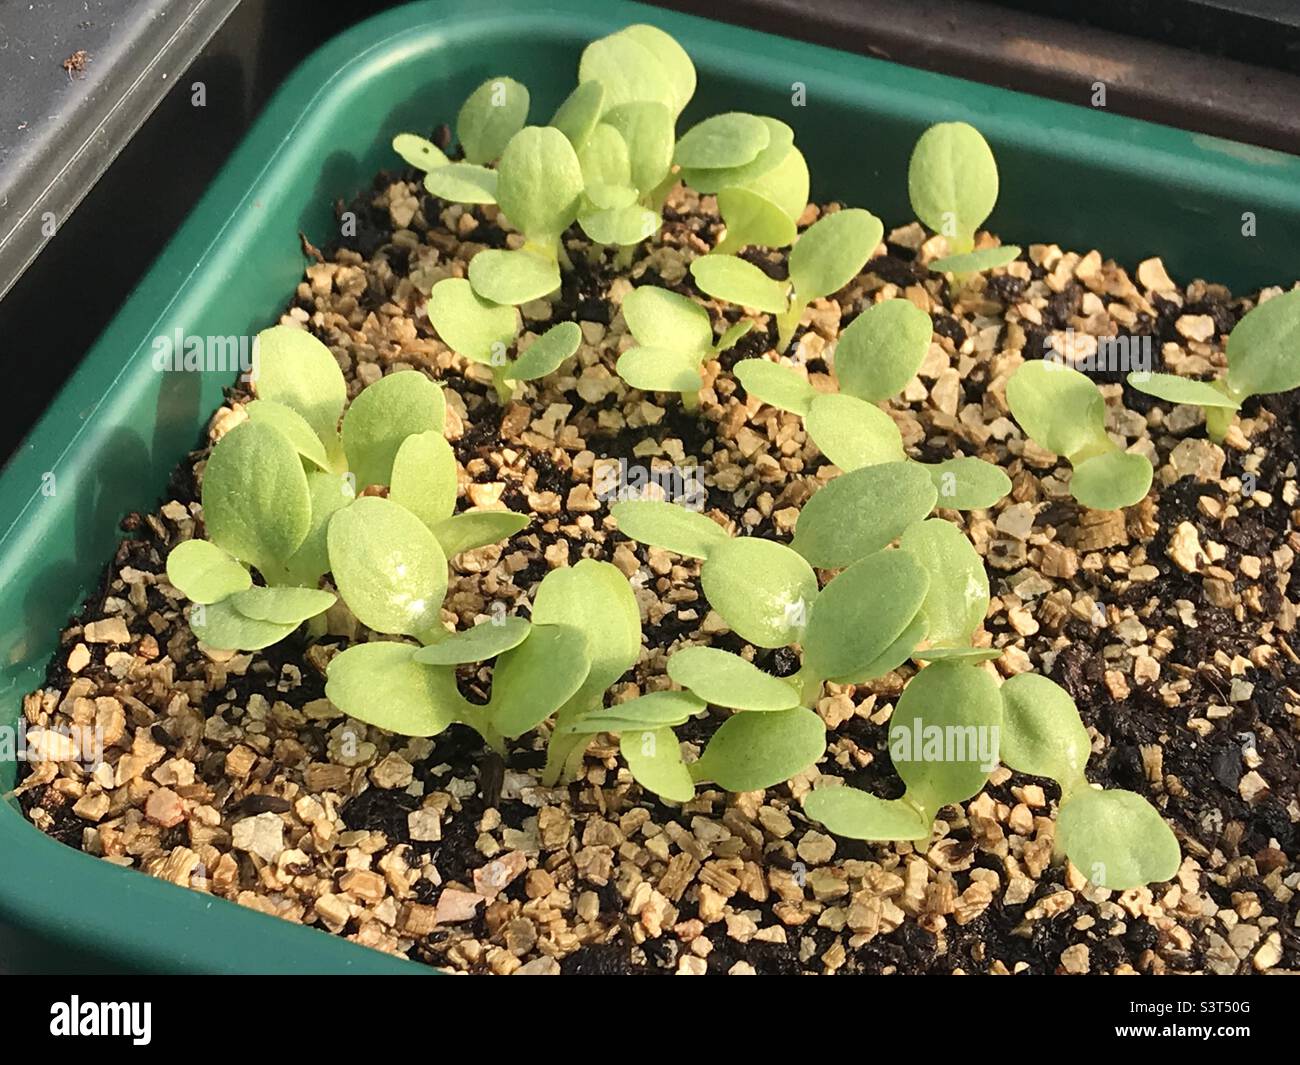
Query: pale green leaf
point(623, 226)
point(776, 384)
point(668, 525)
point(541, 183)
point(753, 219)
point(958, 598)
point(424, 478)
point(223, 628)
point(892, 656)
point(533, 680)
point(656, 710)
point(660, 370)
point(647, 130)
point(382, 416)
point(1264, 348)
point(255, 500)
point(605, 160)
point(1111, 481)
point(762, 589)
point(726, 140)
point(664, 319)
point(976, 262)
point(388, 567)
point(1175, 389)
point(382, 685)
point(1042, 733)
point(576, 118)
point(1117, 839)
point(205, 573)
point(293, 426)
point(296, 369)
point(853, 433)
point(780, 144)
point(957, 654)
point(952, 181)
point(512, 277)
point(471, 326)
point(967, 483)
point(1057, 406)
point(860, 512)
point(943, 735)
point(673, 60)
point(545, 354)
point(282, 606)
point(881, 350)
point(861, 614)
point(732, 335)
point(418, 152)
point(786, 185)
point(726, 277)
point(628, 70)
point(725, 679)
point(462, 183)
point(485, 640)
point(856, 814)
point(602, 197)
point(494, 113)
point(654, 758)
point(477, 528)
point(753, 752)
point(329, 492)
point(832, 252)
point(596, 598)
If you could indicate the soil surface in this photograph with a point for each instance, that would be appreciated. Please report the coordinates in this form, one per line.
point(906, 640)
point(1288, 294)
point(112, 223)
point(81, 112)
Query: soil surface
point(1172, 624)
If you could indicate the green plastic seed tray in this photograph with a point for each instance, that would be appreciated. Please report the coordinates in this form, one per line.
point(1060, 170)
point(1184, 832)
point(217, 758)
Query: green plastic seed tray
point(1072, 175)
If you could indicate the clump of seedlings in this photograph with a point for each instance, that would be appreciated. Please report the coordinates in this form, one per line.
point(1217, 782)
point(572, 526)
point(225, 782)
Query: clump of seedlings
point(279, 489)
point(1063, 411)
point(874, 358)
point(827, 256)
point(1263, 358)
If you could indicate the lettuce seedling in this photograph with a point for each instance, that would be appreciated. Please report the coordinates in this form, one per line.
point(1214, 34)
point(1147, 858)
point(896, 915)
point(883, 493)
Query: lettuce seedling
point(861, 625)
point(875, 357)
point(539, 668)
point(1115, 838)
point(484, 332)
point(826, 257)
point(943, 739)
point(1063, 411)
point(761, 199)
point(770, 741)
point(1263, 358)
point(675, 337)
point(952, 181)
point(273, 484)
